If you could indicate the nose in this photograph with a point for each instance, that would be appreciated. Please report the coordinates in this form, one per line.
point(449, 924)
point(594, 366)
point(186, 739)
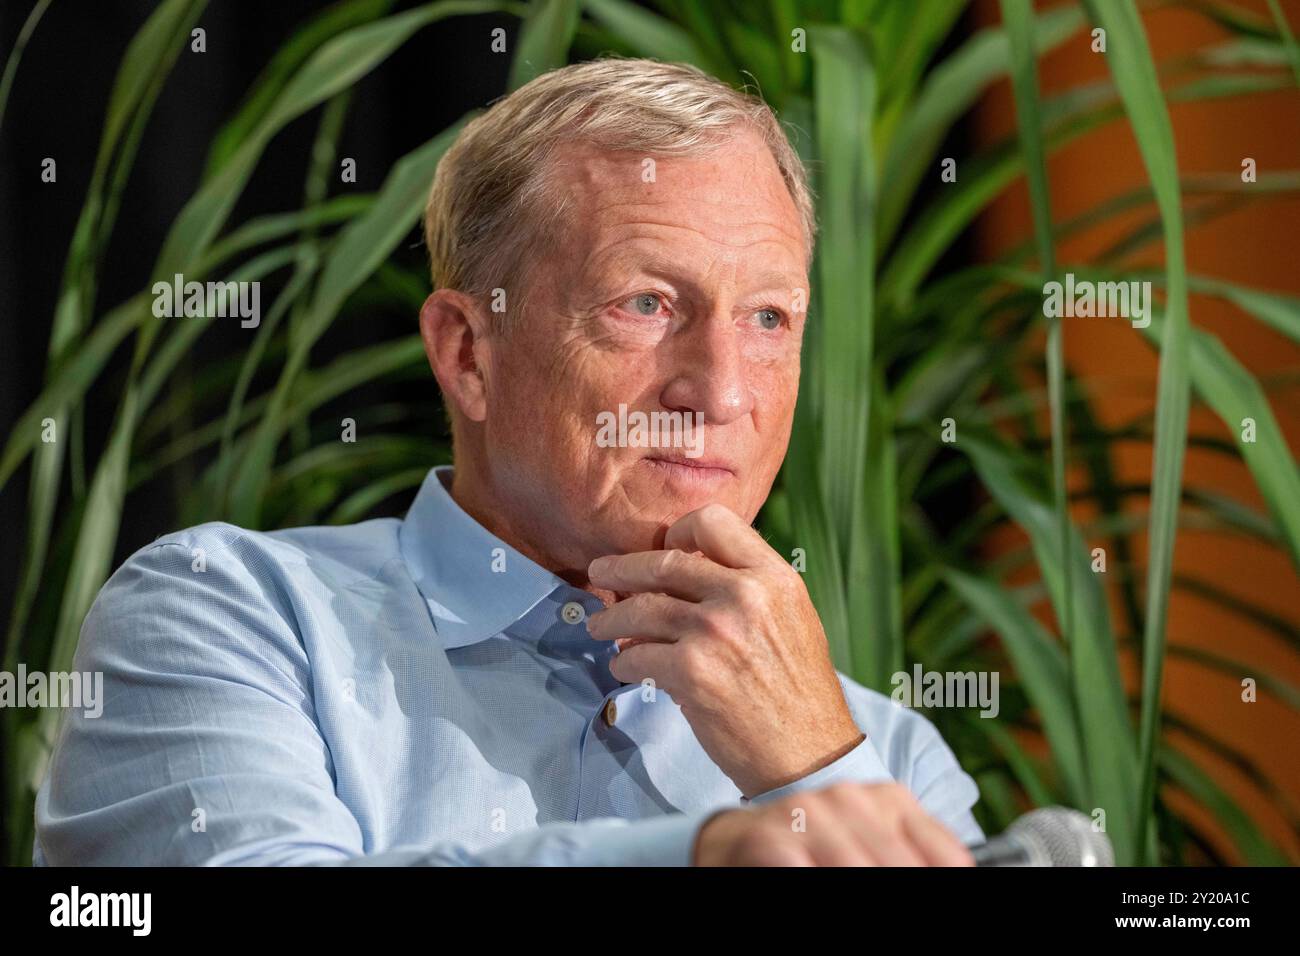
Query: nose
point(709, 372)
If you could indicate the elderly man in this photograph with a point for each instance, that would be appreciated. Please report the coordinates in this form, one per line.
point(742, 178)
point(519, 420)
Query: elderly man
point(570, 650)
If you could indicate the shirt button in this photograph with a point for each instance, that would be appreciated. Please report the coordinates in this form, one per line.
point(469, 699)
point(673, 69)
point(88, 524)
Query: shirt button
point(573, 613)
point(610, 713)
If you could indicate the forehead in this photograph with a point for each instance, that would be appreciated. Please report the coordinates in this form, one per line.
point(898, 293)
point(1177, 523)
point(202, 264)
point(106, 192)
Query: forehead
point(732, 195)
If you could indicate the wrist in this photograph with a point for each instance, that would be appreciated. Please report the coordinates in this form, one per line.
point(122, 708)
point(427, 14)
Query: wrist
point(824, 754)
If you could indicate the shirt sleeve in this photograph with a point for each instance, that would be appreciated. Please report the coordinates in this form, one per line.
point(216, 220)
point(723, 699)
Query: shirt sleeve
point(613, 841)
point(927, 766)
point(206, 750)
point(860, 765)
point(944, 789)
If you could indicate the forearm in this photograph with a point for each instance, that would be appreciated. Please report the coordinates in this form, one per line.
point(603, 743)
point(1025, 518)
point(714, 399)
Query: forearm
point(659, 841)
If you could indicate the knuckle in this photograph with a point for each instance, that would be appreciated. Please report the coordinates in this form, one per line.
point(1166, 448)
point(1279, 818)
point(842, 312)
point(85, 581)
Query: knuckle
point(714, 625)
point(791, 581)
point(895, 803)
point(674, 614)
point(844, 790)
point(693, 662)
point(768, 828)
point(819, 802)
point(755, 847)
point(749, 591)
point(900, 795)
point(667, 563)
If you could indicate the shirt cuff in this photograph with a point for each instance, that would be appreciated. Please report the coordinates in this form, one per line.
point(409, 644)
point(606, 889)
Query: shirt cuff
point(860, 765)
point(660, 841)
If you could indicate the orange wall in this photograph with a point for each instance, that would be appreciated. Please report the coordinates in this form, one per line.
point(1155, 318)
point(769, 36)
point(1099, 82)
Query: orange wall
point(1258, 245)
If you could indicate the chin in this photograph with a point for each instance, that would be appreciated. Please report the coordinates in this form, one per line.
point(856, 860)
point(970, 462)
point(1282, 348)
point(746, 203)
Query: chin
point(662, 492)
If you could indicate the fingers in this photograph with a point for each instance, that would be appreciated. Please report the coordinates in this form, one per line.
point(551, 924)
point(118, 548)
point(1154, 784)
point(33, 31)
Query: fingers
point(656, 616)
point(834, 839)
point(678, 573)
point(849, 825)
point(749, 837)
point(724, 542)
point(634, 664)
point(936, 843)
point(877, 824)
point(720, 534)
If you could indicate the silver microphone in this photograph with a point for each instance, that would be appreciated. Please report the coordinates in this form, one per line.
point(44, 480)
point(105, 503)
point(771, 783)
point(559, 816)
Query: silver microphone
point(1049, 836)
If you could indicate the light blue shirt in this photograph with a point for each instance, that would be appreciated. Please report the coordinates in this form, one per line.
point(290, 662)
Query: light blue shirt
point(399, 692)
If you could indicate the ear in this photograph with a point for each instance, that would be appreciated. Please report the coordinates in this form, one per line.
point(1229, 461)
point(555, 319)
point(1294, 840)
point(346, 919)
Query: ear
point(454, 337)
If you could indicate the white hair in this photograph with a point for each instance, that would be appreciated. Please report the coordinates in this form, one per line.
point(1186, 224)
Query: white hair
point(490, 200)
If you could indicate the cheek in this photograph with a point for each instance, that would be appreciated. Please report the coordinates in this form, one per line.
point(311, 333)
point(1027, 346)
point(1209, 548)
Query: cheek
point(775, 387)
point(547, 396)
point(522, 417)
point(776, 392)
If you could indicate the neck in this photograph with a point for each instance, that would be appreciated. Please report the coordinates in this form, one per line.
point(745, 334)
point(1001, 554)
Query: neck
point(473, 490)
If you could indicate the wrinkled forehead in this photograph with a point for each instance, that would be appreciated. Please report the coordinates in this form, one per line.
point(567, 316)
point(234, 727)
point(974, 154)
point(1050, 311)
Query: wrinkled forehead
point(731, 195)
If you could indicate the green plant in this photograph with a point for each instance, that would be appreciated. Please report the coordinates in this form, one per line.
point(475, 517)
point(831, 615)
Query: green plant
point(895, 345)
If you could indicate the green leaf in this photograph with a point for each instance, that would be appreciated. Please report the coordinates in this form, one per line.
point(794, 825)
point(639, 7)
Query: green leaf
point(950, 89)
point(814, 533)
point(1254, 846)
point(1288, 38)
point(286, 62)
point(544, 41)
point(149, 59)
point(358, 505)
point(875, 592)
point(1235, 395)
point(70, 382)
point(1109, 754)
point(333, 68)
point(1021, 764)
point(16, 54)
point(1018, 17)
point(1285, 691)
point(758, 60)
point(1040, 663)
point(1233, 18)
point(362, 245)
point(1278, 311)
point(1134, 72)
point(982, 179)
point(843, 325)
point(648, 33)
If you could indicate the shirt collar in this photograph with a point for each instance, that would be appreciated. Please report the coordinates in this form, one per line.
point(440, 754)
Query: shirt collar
point(474, 583)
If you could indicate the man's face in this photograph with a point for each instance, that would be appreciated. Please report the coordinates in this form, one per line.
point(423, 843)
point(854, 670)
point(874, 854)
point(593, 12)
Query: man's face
point(681, 294)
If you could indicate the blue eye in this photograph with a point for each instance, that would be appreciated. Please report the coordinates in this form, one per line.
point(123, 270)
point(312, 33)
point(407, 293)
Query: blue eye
point(646, 303)
point(769, 318)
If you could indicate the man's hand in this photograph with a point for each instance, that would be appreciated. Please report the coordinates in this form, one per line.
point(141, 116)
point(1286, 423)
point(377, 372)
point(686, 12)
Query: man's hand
point(849, 824)
point(725, 626)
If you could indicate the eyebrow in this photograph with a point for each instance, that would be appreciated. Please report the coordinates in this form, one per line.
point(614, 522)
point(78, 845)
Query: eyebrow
point(781, 280)
point(655, 263)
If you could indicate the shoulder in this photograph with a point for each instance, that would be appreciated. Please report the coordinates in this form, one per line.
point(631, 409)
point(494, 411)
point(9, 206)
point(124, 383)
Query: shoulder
point(358, 545)
point(219, 553)
point(217, 577)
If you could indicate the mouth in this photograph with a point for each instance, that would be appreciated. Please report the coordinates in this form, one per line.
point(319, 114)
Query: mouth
point(693, 470)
